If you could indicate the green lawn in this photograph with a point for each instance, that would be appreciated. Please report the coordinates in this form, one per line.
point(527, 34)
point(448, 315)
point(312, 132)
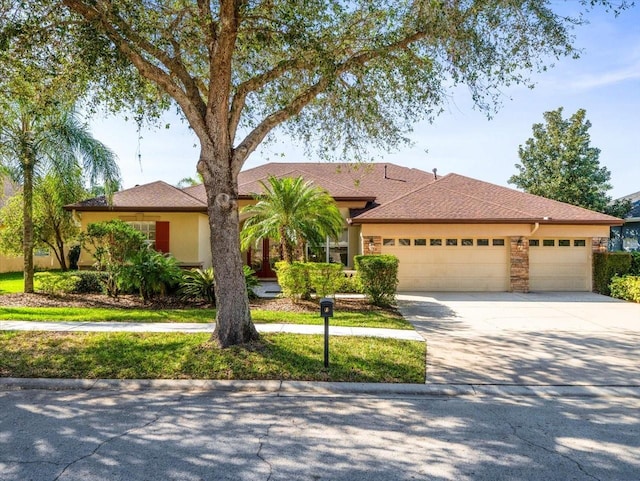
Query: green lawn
point(11, 282)
point(191, 356)
point(76, 314)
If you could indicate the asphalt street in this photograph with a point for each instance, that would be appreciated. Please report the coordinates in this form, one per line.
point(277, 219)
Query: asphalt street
point(102, 434)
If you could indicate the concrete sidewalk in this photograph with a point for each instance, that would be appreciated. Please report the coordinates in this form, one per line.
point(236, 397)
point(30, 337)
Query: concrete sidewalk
point(192, 328)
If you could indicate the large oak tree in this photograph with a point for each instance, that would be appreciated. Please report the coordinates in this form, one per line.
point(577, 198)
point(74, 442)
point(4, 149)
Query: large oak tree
point(342, 76)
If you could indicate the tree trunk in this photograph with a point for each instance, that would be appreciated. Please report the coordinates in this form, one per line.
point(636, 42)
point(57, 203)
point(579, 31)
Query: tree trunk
point(233, 320)
point(60, 252)
point(27, 233)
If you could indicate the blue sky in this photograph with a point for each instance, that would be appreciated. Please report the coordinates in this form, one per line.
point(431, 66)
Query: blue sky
point(605, 81)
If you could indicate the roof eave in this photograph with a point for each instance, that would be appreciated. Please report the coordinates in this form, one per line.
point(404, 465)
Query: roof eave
point(202, 209)
point(357, 220)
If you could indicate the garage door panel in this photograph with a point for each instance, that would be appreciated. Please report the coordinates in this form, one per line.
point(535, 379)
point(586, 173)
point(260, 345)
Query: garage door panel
point(559, 268)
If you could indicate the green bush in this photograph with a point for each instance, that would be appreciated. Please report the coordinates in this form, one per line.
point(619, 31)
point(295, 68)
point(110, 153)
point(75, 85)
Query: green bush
point(150, 273)
point(635, 263)
point(89, 282)
point(627, 288)
point(56, 283)
point(74, 255)
point(198, 284)
point(324, 277)
point(349, 284)
point(379, 277)
point(606, 265)
point(251, 280)
point(294, 280)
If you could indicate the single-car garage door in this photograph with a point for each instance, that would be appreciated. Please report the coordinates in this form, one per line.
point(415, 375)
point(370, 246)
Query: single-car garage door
point(450, 264)
point(559, 265)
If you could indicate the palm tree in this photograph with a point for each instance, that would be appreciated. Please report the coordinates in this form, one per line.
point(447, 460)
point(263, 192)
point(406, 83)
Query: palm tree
point(35, 141)
point(292, 212)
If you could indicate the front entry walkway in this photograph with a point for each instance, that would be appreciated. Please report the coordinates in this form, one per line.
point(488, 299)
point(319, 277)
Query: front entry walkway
point(536, 339)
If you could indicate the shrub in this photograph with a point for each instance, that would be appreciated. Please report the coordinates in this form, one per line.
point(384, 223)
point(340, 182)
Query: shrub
point(349, 285)
point(294, 280)
point(74, 255)
point(150, 273)
point(324, 277)
point(606, 265)
point(198, 284)
point(627, 288)
point(89, 282)
point(379, 277)
point(635, 263)
point(56, 283)
point(251, 280)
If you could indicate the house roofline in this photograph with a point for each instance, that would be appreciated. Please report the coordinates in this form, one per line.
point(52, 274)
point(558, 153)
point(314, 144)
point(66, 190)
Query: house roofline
point(134, 209)
point(357, 221)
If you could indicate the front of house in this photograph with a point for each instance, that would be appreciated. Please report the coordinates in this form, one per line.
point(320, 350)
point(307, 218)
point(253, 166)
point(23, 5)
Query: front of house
point(450, 233)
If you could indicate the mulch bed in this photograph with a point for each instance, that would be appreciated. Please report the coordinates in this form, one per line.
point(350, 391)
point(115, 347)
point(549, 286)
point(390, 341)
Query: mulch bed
point(134, 302)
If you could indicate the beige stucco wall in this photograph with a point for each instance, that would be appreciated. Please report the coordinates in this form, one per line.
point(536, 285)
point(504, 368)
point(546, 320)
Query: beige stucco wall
point(185, 236)
point(204, 241)
point(16, 264)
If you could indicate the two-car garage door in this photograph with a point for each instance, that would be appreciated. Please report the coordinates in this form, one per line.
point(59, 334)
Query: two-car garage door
point(483, 264)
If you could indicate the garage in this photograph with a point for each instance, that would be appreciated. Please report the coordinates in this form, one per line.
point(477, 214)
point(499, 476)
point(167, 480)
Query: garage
point(559, 264)
point(450, 263)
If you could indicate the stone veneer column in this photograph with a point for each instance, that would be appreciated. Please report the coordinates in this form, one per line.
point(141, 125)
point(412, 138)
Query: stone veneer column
point(598, 242)
point(377, 244)
point(519, 264)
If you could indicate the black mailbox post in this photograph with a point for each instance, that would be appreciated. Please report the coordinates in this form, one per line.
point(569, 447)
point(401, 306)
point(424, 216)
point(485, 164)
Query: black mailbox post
point(326, 311)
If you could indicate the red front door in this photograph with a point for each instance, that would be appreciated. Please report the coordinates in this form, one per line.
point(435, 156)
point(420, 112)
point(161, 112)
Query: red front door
point(262, 257)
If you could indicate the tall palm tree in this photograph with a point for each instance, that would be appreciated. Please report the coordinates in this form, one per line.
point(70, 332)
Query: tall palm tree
point(292, 212)
point(52, 139)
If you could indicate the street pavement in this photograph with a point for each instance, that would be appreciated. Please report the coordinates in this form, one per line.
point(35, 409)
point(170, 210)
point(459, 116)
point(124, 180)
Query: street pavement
point(188, 435)
point(536, 339)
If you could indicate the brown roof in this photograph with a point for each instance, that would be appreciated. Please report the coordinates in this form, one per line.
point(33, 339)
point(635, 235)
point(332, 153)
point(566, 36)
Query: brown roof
point(156, 196)
point(456, 198)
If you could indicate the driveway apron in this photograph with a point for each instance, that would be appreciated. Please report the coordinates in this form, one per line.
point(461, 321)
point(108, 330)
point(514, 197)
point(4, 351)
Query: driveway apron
point(559, 339)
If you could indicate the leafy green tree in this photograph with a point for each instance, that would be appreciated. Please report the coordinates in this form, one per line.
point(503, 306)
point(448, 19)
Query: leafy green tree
point(53, 226)
point(339, 75)
point(294, 213)
point(559, 163)
point(35, 140)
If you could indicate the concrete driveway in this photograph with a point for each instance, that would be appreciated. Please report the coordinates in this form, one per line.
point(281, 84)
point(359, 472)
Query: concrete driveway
point(558, 339)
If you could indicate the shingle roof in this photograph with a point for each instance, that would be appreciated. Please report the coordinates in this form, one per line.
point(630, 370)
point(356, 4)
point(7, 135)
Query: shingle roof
point(158, 196)
point(456, 198)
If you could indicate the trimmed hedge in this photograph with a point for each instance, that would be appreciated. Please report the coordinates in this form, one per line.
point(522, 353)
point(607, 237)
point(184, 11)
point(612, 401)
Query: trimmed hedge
point(606, 265)
point(299, 279)
point(379, 277)
point(70, 282)
point(627, 288)
point(635, 263)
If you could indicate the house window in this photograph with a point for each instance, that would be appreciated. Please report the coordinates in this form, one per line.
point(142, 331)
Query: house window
point(148, 230)
point(419, 242)
point(388, 242)
point(467, 242)
point(435, 242)
point(534, 242)
point(498, 242)
point(482, 242)
point(548, 242)
point(564, 243)
point(579, 243)
point(404, 242)
point(452, 242)
point(41, 252)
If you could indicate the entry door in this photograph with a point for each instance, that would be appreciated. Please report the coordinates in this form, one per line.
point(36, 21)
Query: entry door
point(262, 257)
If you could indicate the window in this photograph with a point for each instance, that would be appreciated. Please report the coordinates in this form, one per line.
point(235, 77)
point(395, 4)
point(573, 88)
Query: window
point(41, 252)
point(482, 242)
point(419, 242)
point(148, 230)
point(452, 242)
point(388, 242)
point(564, 243)
point(435, 242)
point(498, 242)
point(467, 242)
point(548, 242)
point(579, 243)
point(404, 242)
point(534, 242)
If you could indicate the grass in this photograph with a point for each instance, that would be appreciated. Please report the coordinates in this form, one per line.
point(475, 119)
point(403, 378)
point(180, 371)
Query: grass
point(11, 282)
point(76, 314)
point(191, 356)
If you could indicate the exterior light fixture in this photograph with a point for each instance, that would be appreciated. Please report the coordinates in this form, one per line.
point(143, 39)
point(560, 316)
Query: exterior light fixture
point(372, 246)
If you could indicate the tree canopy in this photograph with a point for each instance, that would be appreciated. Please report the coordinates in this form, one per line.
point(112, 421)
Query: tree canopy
point(559, 163)
point(340, 76)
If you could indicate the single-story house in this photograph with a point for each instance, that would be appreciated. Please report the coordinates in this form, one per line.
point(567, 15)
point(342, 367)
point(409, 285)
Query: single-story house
point(450, 233)
point(626, 237)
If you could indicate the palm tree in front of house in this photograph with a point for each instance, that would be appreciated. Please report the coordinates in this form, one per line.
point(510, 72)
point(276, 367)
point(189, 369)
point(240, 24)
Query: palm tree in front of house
point(292, 212)
point(34, 141)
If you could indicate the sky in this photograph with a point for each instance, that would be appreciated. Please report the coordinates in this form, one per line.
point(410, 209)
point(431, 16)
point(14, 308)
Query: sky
point(605, 81)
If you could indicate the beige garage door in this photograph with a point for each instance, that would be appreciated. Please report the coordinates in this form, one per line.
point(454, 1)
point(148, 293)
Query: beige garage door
point(559, 265)
point(450, 264)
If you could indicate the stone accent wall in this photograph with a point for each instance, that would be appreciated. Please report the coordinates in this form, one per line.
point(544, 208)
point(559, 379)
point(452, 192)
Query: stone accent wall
point(519, 264)
point(377, 245)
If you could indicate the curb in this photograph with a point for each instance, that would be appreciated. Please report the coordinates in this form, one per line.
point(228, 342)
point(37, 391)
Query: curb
point(310, 388)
